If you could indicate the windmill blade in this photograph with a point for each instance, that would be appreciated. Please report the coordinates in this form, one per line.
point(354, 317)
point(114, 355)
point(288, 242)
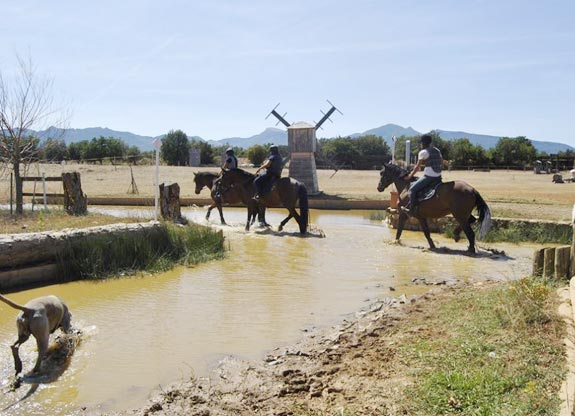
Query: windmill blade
point(278, 116)
point(327, 115)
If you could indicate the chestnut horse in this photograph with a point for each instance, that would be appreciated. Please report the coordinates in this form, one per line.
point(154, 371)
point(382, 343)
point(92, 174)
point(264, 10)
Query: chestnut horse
point(211, 181)
point(285, 192)
point(457, 198)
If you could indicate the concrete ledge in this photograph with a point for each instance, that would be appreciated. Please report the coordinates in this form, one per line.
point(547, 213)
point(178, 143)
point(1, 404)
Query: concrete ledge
point(315, 202)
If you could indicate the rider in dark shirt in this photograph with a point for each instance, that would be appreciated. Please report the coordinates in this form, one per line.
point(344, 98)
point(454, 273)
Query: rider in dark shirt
point(273, 170)
point(231, 160)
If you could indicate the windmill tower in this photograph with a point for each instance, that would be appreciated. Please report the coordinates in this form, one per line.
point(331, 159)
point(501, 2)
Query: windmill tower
point(302, 146)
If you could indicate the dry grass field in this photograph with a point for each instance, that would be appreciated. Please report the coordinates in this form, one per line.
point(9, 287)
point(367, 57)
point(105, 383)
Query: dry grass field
point(517, 194)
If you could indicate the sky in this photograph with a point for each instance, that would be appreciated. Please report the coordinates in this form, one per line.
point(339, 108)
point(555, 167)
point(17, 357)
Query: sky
point(216, 68)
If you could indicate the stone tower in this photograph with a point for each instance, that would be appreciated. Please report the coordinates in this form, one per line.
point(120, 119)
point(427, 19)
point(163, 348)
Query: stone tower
point(302, 145)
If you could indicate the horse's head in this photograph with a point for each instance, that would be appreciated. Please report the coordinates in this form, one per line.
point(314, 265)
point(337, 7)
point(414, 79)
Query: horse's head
point(389, 174)
point(199, 183)
point(385, 179)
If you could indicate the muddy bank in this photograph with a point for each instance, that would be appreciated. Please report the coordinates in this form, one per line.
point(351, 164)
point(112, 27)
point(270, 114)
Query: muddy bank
point(349, 366)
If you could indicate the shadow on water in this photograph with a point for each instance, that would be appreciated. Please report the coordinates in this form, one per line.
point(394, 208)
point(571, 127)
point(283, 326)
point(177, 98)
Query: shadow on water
point(54, 365)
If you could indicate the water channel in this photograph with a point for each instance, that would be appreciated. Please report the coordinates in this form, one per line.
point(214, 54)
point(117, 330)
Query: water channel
point(140, 333)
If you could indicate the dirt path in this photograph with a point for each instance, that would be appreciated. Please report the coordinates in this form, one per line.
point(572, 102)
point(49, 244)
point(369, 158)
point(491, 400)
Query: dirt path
point(352, 366)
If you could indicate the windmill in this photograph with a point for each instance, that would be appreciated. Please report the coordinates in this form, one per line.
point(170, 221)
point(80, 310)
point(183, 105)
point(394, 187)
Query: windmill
point(302, 146)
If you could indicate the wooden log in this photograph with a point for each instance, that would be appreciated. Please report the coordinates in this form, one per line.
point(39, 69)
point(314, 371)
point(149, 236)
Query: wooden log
point(549, 262)
point(170, 202)
point(75, 201)
point(562, 262)
point(538, 262)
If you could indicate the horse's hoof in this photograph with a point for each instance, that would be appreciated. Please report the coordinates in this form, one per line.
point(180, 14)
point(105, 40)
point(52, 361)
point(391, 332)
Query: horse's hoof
point(280, 228)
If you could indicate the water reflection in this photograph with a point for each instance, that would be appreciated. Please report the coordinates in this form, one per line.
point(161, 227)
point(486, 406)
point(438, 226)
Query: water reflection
point(142, 332)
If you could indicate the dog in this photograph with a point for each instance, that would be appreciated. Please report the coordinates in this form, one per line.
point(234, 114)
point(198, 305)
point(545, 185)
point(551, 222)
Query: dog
point(40, 317)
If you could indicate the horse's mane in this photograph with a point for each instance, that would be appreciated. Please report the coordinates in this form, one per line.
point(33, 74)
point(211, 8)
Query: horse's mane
point(204, 173)
point(396, 170)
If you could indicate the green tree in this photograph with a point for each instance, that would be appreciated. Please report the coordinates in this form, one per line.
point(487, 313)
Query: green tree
point(53, 150)
point(175, 148)
point(465, 153)
point(371, 146)
point(514, 151)
point(257, 154)
point(340, 150)
point(77, 150)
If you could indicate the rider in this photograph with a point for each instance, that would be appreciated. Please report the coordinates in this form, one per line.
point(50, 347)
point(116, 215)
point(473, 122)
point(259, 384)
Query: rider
point(431, 158)
point(273, 170)
point(231, 160)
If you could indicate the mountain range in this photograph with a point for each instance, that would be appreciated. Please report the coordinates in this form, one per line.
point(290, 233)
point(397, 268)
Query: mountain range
point(279, 136)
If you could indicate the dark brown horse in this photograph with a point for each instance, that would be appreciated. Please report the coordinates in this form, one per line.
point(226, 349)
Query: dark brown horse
point(457, 198)
point(285, 192)
point(211, 181)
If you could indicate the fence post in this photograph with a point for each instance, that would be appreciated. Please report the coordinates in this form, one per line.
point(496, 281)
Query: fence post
point(44, 190)
point(11, 192)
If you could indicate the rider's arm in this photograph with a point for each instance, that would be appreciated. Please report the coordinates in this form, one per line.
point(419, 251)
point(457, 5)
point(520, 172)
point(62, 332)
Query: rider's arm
point(266, 165)
point(416, 169)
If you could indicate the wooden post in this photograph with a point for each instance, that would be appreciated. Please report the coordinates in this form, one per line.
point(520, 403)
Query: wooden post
point(170, 203)
point(75, 201)
point(562, 262)
point(549, 262)
point(538, 262)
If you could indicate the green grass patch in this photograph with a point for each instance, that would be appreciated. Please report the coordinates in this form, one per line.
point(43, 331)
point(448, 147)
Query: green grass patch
point(151, 250)
point(497, 351)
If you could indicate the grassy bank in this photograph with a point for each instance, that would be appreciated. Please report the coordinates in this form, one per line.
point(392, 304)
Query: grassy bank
point(494, 351)
point(152, 250)
point(52, 219)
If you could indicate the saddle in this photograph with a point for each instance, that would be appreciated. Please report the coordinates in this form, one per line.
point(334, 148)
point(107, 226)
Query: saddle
point(428, 193)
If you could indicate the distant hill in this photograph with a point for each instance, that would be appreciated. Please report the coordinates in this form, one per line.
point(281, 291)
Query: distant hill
point(269, 135)
point(279, 136)
point(144, 143)
point(388, 131)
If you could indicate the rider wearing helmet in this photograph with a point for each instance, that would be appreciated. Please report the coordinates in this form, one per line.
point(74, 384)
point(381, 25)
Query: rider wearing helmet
point(231, 160)
point(429, 157)
point(273, 170)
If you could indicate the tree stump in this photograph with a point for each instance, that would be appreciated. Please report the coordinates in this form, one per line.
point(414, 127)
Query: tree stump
point(549, 262)
point(75, 201)
point(170, 203)
point(538, 262)
point(562, 262)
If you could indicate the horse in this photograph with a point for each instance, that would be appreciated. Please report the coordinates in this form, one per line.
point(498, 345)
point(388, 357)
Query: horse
point(457, 198)
point(211, 181)
point(285, 192)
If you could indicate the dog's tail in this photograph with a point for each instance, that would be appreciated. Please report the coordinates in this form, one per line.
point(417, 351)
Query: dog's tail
point(14, 305)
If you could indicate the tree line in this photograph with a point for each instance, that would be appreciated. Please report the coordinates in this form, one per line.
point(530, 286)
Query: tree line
point(366, 152)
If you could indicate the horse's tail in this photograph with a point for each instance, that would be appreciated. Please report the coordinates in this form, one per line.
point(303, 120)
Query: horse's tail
point(303, 208)
point(484, 215)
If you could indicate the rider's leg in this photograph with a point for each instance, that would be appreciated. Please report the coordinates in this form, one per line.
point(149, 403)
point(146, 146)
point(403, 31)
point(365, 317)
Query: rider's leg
point(413, 191)
point(258, 186)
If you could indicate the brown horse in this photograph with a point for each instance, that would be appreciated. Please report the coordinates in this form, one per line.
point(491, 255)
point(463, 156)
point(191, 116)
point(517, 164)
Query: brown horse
point(457, 198)
point(211, 181)
point(285, 192)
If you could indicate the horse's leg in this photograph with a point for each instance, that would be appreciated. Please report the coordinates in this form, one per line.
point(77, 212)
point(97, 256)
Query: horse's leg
point(400, 225)
point(425, 228)
point(212, 206)
point(469, 233)
point(457, 233)
point(219, 205)
point(284, 222)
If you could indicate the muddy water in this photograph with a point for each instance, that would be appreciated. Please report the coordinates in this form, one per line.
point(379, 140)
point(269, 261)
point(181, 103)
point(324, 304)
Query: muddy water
point(141, 333)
